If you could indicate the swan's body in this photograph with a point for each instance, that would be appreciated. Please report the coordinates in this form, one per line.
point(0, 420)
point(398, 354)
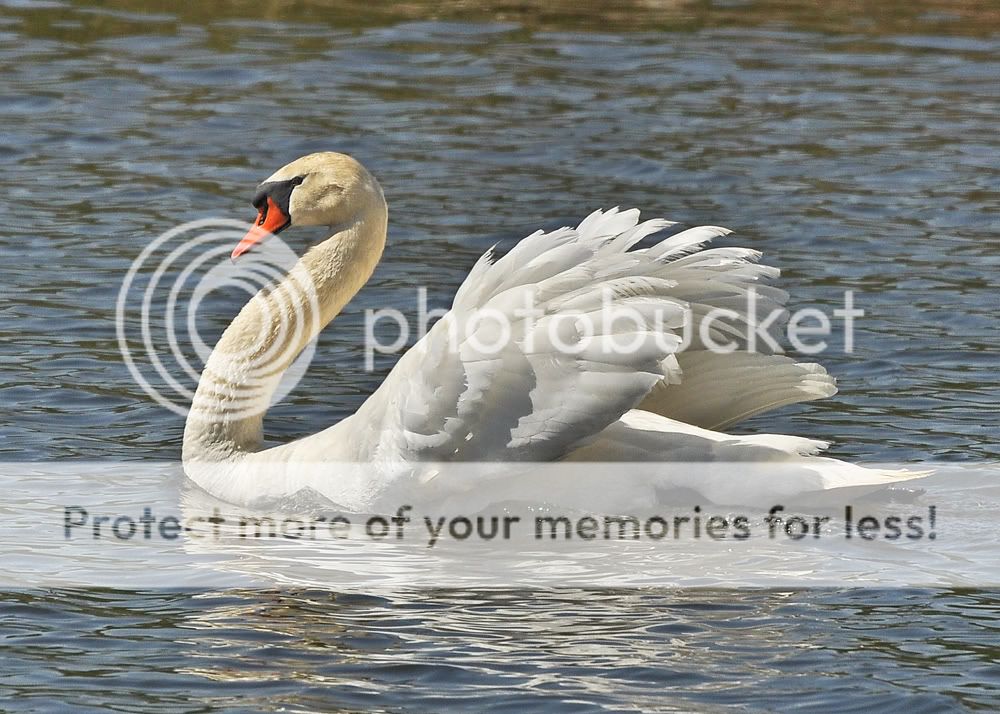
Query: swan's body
point(528, 402)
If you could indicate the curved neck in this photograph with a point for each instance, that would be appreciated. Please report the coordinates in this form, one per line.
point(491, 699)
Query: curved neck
point(245, 368)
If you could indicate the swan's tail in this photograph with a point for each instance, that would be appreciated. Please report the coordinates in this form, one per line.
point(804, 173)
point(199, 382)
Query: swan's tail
point(753, 470)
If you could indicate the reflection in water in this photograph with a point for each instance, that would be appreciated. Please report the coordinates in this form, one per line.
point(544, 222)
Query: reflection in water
point(854, 145)
point(521, 543)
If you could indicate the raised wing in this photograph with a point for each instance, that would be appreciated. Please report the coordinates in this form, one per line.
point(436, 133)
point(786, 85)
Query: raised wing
point(522, 367)
point(550, 344)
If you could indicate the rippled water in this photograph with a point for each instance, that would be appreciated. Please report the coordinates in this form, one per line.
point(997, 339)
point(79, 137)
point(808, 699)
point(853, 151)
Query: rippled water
point(857, 149)
point(564, 651)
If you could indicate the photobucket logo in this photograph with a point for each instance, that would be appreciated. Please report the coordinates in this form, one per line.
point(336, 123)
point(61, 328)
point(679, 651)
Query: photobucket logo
point(166, 343)
point(622, 328)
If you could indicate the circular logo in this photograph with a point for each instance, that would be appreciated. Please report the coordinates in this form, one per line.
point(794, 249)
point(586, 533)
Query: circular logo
point(174, 302)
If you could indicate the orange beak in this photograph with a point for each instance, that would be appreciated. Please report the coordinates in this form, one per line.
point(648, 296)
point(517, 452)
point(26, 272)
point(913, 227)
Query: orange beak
point(270, 221)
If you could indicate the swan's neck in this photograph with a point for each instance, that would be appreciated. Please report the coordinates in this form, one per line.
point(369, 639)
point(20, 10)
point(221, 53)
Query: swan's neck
point(245, 368)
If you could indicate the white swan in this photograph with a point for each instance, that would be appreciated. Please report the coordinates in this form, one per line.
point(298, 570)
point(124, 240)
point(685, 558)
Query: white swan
point(528, 402)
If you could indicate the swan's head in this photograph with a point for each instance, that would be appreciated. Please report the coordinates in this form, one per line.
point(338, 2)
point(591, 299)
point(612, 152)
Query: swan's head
point(322, 189)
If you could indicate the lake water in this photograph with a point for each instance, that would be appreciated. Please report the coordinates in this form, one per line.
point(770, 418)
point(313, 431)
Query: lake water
point(856, 146)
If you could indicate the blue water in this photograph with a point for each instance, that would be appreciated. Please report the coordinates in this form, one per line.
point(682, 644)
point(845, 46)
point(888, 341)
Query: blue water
point(856, 148)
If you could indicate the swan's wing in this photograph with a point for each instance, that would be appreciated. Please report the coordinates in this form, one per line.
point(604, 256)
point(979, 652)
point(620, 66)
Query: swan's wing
point(718, 390)
point(468, 391)
point(564, 372)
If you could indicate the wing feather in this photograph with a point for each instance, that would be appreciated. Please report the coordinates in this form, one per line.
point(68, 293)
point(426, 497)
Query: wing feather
point(564, 373)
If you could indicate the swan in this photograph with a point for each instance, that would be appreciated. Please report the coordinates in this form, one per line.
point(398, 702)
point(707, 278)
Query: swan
point(450, 400)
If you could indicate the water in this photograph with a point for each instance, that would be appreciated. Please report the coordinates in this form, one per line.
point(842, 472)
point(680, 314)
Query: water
point(858, 151)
